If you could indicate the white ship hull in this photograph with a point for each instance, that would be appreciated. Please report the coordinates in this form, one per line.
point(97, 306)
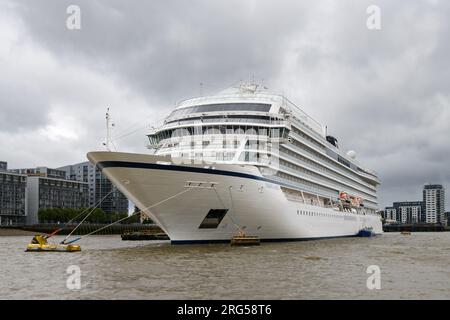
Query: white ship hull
point(253, 203)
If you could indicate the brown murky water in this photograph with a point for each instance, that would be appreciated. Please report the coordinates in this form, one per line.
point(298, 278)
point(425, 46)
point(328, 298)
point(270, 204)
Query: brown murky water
point(412, 267)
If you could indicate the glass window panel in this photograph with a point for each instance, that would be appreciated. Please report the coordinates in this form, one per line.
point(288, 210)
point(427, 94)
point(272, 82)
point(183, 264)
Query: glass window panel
point(260, 107)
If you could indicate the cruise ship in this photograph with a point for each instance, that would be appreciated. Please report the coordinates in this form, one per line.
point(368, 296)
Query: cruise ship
point(245, 162)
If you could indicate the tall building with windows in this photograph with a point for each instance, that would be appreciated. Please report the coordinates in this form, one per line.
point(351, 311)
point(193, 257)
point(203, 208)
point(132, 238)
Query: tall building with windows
point(405, 212)
point(49, 188)
point(100, 188)
point(84, 172)
point(13, 197)
point(390, 214)
point(409, 211)
point(41, 172)
point(434, 201)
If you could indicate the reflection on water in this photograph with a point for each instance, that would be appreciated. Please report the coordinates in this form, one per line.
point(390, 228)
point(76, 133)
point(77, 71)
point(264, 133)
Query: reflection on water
point(412, 267)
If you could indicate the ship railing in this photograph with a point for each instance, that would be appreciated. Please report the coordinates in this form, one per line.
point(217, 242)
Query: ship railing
point(324, 205)
point(222, 120)
point(155, 129)
point(268, 97)
point(314, 147)
point(307, 201)
point(319, 171)
point(305, 118)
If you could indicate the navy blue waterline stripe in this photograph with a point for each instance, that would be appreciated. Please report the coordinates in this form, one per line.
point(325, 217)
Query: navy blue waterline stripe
point(143, 165)
point(180, 242)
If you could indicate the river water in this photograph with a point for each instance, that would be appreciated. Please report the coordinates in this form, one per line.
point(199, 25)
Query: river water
point(415, 266)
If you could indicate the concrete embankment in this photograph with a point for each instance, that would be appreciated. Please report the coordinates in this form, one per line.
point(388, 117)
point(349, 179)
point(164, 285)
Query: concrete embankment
point(14, 232)
point(82, 229)
point(414, 228)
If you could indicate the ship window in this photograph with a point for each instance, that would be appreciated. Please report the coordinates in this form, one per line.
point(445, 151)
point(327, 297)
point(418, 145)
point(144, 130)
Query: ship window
point(213, 218)
point(260, 107)
point(344, 161)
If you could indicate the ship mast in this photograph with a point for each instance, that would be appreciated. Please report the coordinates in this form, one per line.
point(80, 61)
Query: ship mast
point(108, 130)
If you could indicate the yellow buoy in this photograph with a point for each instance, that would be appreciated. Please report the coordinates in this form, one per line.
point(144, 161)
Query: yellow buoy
point(39, 243)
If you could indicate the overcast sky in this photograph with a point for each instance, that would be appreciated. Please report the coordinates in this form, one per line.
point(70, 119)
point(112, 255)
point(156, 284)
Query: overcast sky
point(384, 93)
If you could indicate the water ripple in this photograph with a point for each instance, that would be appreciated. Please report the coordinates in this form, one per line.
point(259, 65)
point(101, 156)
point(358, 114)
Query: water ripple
point(412, 267)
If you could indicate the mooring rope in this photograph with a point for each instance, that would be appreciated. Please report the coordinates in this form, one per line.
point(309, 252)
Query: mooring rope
point(220, 199)
point(120, 220)
point(232, 206)
point(76, 217)
point(93, 209)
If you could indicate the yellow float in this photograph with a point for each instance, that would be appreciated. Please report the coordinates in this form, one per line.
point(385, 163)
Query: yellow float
point(39, 243)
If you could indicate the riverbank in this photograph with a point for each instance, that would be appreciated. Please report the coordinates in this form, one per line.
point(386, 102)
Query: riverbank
point(419, 227)
point(103, 229)
point(82, 229)
point(5, 232)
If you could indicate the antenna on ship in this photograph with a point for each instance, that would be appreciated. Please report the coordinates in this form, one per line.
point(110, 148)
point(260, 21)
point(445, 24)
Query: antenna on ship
point(108, 141)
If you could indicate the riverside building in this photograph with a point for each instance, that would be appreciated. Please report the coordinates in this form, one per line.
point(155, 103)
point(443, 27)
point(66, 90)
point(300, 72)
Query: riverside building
point(409, 211)
point(431, 210)
point(434, 200)
point(49, 188)
point(13, 197)
point(100, 188)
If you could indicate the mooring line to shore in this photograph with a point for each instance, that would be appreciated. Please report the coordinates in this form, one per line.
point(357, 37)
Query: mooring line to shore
point(137, 212)
point(93, 209)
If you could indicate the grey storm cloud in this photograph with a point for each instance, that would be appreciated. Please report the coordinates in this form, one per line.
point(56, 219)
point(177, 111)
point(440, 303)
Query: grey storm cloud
point(25, 110)
point(383, 93)
point(172, 46)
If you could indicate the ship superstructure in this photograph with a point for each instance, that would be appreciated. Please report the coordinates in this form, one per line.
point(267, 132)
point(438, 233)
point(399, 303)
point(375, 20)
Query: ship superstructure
point(258, 163)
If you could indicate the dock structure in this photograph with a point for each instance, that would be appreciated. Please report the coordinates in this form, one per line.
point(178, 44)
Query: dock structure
point(144, 235)
point(245, 241)
point(417, 227)
point(88, 227)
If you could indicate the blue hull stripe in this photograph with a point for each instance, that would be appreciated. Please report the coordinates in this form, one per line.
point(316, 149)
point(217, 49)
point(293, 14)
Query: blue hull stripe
point(262, 240)
point(142, 165)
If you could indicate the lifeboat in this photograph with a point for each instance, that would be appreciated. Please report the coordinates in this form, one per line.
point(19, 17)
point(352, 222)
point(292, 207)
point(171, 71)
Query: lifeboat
point(351, 200)
point(39, 243)
point(343, 195)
